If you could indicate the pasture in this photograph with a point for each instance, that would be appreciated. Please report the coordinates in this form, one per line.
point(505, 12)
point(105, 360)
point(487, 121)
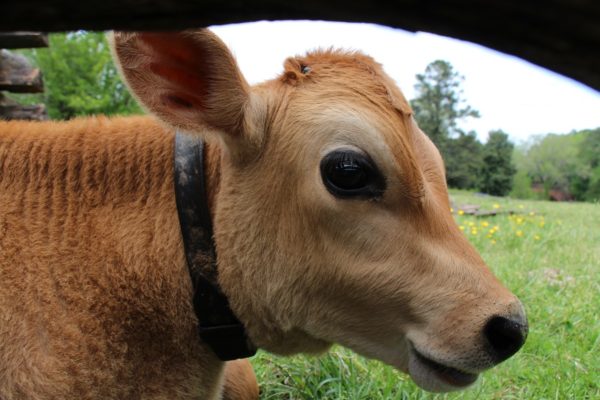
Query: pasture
point(548, 254)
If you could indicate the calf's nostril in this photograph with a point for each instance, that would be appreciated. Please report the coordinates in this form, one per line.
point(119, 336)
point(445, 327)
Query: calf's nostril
point(505, 336)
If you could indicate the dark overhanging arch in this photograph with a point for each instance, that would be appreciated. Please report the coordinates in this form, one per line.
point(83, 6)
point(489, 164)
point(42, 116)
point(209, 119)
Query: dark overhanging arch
point(561, 35)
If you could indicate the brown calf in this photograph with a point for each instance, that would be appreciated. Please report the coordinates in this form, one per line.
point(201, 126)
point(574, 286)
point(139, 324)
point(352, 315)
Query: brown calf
point(331, 224)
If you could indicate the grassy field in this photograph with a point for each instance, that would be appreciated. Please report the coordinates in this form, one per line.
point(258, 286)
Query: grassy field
point(549, 255)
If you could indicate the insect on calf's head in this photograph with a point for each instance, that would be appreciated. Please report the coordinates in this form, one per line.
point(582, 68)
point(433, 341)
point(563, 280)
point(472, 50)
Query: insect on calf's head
point(332, 221)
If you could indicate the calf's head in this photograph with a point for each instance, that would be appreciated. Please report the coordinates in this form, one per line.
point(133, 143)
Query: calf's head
point(332, 221)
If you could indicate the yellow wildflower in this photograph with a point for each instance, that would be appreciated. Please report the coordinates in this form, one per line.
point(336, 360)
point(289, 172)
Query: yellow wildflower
point(521, 206)
point(496, 206)
point(461, 212)
point(537, 237)
point(519, 233)
point(485, 224)
point(462, 228)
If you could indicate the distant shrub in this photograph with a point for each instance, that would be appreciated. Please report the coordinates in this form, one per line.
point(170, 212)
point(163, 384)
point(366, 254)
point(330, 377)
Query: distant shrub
point(522, 186)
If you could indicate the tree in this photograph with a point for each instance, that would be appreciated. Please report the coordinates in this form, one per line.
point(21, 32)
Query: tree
point(588, 187)
point(590, 147)
point(592, 192)
point(496, 176)
point(80, 77)
point(463, 161)
point(439, 106)
point(438, 109)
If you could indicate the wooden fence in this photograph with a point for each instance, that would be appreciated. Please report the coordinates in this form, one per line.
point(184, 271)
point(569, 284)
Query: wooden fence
point(561, 35)
point(18, 76)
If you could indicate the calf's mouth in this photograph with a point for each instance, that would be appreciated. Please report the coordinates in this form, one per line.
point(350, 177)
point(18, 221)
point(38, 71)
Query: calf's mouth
point(435, 376)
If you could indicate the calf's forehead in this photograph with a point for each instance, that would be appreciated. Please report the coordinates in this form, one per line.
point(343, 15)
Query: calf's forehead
point(346, 76)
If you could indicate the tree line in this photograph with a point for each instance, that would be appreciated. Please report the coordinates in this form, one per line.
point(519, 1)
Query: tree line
point(81, 79)
point(552, 166)
point(560, 167)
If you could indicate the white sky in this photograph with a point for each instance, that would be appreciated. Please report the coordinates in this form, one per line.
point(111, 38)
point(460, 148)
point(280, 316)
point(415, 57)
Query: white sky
point(510, 94)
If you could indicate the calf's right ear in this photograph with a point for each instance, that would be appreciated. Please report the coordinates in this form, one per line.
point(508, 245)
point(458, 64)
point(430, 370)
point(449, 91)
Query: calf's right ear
point(188, 79)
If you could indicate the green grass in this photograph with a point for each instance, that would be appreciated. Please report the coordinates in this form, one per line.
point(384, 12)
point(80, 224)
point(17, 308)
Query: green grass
point(549, 255)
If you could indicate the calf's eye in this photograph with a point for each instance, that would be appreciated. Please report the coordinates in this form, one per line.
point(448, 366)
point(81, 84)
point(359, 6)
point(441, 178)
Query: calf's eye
point(348, 173)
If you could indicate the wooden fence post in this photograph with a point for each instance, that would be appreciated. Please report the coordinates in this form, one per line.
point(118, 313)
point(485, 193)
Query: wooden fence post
point(17, 75)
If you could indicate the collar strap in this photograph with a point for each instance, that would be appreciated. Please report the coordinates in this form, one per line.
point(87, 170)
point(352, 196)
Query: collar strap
point(217, 325)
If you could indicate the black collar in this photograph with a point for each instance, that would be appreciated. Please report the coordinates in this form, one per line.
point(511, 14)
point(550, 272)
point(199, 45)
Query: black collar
point(218, 326)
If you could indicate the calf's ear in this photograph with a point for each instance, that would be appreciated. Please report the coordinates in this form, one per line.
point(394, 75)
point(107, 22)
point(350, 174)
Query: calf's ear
point(188, 79)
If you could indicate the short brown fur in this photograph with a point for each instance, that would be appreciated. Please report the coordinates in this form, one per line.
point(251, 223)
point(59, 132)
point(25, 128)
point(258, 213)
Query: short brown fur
point(94, 289)
point(94, 298)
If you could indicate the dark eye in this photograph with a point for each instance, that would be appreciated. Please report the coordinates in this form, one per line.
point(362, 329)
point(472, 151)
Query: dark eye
point(348, 173)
